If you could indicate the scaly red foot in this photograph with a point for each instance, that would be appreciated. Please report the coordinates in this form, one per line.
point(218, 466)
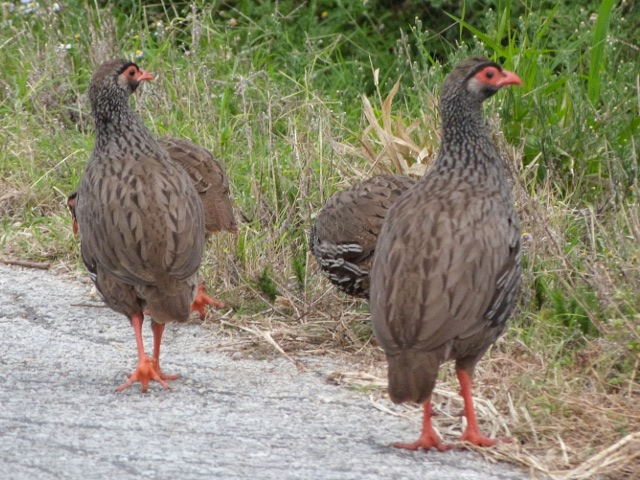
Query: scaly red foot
point(146, 371)
point(202, 300)
point(425, 442)
point(476, 438)
point(428, 438)
point(472, 432)
point(148, 368)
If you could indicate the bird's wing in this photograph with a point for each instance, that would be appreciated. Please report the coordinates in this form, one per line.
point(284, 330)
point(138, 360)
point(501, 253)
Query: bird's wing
point(209, 179)
point(192, 158)
point(352, 219)
point(446, 265)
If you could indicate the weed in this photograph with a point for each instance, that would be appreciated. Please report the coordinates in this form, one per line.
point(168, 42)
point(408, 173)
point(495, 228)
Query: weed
point(267, 286)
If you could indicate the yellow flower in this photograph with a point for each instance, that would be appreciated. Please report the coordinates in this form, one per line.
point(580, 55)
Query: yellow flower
point(77, 36)
point(324, 14)
point(233, 22)
point(139, 53)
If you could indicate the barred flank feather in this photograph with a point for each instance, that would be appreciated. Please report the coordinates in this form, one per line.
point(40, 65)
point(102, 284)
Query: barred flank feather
point(344, 237)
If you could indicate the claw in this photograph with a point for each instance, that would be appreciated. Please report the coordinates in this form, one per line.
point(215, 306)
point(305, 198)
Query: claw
point(202, 300)
point(146, 371)
point(428, 438)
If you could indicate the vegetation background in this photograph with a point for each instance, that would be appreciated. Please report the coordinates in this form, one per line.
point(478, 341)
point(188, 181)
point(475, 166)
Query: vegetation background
point(300, 99)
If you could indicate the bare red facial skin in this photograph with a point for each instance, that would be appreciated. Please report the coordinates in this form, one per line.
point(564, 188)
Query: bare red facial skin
point(137, 74)
point(499, 78)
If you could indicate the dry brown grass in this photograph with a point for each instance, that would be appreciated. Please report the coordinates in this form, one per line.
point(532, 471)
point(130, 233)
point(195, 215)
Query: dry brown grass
point(564, 422)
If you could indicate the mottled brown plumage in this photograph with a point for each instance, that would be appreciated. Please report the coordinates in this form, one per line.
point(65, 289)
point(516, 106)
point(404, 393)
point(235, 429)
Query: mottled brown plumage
point(343, 238)
point(210, 182)
point(447, 264)
point(212, 186)
point(140, 219)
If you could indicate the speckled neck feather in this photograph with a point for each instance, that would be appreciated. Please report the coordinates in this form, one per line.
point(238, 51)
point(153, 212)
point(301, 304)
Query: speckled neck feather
point(112, 114)
point(466, 146)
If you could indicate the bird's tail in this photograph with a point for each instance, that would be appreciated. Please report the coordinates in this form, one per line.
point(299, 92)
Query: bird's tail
point(171, 303)
point(412, 376)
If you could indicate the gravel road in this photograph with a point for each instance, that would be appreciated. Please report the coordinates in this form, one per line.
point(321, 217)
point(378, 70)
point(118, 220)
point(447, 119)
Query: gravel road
point(223, 419)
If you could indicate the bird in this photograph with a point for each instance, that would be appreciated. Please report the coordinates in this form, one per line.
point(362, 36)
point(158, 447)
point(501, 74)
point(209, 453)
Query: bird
point(446, 273)
point(140, 218)
point(344, 235)
point(211, 183)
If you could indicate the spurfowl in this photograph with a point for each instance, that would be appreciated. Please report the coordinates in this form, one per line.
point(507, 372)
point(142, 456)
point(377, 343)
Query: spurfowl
point(140, 219)
point(212, 186)
point(447, 266)
point(343, 238)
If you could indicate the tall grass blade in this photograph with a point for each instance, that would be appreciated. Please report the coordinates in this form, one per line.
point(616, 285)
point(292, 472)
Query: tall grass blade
point(597, 49)
point(486, 39)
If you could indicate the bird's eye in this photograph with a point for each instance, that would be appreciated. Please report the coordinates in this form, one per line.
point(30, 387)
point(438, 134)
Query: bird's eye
point(490, 74)
point(132, 72)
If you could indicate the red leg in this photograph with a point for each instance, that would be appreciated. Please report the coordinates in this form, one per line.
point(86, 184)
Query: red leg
point(202, 300)
point(158, 329)
point(428, 438)
point(146, 369)
point(472, 432)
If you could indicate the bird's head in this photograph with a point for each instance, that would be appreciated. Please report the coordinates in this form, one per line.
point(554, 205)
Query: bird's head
point(476, 79)
point(116, 79)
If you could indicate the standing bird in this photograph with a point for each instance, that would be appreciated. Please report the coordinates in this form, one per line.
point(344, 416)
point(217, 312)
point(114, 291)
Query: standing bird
point(140, 219)
point(447, 266)
point(212, 185)
point(344, 236)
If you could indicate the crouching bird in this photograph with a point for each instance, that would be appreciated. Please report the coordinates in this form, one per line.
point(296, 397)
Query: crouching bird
point(140, 219)
point(344, 236)
point(447, 266)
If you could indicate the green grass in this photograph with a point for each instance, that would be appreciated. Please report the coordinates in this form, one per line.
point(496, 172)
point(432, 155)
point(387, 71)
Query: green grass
point(597, 61)
point(274, 90)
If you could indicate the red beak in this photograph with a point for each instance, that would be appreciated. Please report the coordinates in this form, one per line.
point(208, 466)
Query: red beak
point(144, 76)
point(508, 78)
